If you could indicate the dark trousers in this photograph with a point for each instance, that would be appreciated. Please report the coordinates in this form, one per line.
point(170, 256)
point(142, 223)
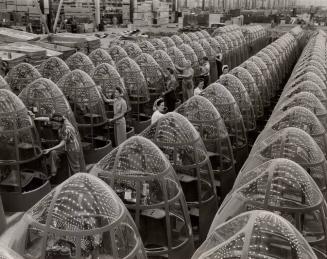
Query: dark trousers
point(206, 81)
point(219, 68)
point(170, 100)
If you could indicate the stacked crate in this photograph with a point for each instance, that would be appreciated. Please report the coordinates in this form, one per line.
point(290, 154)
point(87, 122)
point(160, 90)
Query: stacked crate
point(143, 15)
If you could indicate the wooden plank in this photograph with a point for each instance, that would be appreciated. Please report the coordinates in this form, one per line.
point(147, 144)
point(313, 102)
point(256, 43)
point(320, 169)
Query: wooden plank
point(10, 35)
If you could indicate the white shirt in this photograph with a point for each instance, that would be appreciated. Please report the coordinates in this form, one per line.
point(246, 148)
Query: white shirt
point(197, 91)
point(156, 116)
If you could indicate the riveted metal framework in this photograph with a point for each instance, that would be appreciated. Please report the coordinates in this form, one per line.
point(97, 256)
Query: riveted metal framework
point(134, 80)
point(214, 44)
point(198, 49)
point(186, 39)
point(237, 89)
point(256, 233)
point(307, 100)
point(227, 107)
point(225, 50)
point(267, 82)
point(80, 218)
point(6, 253)
point(272, 69)
point(53, 68)
point(16, 129)
point(163, 60)
point(80, 61)
point(193, 36)
point(275, 63)
point(4, 84)
point(168, 42)
point(231, 48)
point(190, 55)
point(309, 75)
point(282, 186)
point(199, 35)
point(252, 89)
point(177, 40)
point(20, 76)
point(211, 54)
point(298, 117)
point(44, 98)
point(132, 50)
point(20, 152)
point(304, 86)
point(146, 46)
point(208, 122)
point(208, 49)
point(260, 81)
point(99, 56)
point(296, 145)
point(108, 78)
point(205, 34)
point(152, 73)
point(182, 144)
point(89, 110)
point(84, 97)
point(117, 53)
point(158, 44)
point(145, 181)
point(177, 56)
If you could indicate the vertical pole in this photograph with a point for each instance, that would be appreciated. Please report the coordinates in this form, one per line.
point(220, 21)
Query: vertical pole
point(97, 12)
point(57, 16)
point(3, 220)
point(42, 16)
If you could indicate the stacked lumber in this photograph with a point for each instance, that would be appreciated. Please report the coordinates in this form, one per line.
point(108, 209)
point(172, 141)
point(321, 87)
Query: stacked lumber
point(8, 35)
point(34, 55)
point(10, 59)
point(66, 51)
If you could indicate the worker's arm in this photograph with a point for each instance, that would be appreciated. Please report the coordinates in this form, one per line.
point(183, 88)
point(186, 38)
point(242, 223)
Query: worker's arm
point(179, 68)
point(121, 114)
point(61, 144)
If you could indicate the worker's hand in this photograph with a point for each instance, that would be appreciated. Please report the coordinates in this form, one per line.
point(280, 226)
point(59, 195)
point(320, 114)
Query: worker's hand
point(46, 151)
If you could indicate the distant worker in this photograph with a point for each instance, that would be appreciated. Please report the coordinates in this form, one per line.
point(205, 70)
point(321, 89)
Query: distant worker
point(225, 69)
point(74, 25)
point(205, 72)
point(101, 25)
point(187, 81)
point(29, 28)
point(219, 62)
point(199, 88)
point(170, 94)
point(159, 109)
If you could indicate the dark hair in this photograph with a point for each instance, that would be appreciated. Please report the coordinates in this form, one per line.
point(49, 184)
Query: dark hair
point(158, 102)
point(57, 117)
point(170, 70)
point(205, 58)
point(119, 90)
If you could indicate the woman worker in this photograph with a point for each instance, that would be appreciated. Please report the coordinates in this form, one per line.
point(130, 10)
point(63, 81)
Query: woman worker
point(120, 109)
point(187, 83)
